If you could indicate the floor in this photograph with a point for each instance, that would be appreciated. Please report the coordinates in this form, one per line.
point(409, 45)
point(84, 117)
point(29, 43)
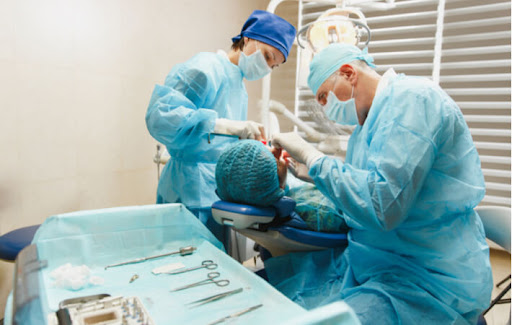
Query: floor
point(500, 261)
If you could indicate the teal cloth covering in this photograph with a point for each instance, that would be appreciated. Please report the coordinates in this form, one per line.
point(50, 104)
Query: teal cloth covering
point(317, 211)
point(102, 237)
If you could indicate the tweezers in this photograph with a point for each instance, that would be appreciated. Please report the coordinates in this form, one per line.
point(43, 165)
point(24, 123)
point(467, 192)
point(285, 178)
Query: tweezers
point(237, 314)
point(214, 297)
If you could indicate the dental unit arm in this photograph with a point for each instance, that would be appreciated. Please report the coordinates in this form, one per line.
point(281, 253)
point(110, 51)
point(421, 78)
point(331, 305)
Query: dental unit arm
point(311, 134)
point(331, 144)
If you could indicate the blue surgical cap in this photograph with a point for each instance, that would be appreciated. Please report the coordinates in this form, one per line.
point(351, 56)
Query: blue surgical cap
point(330, 59)
point(270, 29)
point(247, 173)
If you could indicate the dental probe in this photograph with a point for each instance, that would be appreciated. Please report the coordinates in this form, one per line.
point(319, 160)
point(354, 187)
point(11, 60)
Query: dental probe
point(183, 251)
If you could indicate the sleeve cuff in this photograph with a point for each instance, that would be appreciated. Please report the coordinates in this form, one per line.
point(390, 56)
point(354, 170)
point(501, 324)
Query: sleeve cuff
point(314, 158)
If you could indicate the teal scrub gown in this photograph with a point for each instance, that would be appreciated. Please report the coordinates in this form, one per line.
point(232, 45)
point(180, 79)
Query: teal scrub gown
point(180, 115)
point(408, 188)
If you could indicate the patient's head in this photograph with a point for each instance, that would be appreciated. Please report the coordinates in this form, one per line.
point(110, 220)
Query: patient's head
point(249, 173)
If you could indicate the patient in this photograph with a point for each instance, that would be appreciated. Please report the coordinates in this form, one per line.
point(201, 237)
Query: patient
point(248, 172)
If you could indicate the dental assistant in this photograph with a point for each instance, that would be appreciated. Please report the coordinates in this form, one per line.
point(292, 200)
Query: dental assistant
point(408, 188)
point(206, 95)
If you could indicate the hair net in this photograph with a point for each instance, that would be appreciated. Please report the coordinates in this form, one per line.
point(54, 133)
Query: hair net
point(330, 59)
point(270, 29)
point(247, 173)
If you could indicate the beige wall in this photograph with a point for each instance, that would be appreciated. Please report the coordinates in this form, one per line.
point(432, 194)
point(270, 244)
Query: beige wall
point(75, 81)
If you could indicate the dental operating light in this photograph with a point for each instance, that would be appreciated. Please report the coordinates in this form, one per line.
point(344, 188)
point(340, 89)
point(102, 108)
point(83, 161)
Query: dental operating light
point(336, 25)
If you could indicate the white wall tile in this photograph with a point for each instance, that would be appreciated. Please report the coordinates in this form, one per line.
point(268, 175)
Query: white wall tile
point(9, 147)
point(43, 33)
point(39, 200)
point(145, 190)
point(6, 275)
point(10, 170)
point(137, 147)
point(7, 20)
point(98, 112)
point(117, 189)
point(99, 191)
point(97, 35)
point(46, 121)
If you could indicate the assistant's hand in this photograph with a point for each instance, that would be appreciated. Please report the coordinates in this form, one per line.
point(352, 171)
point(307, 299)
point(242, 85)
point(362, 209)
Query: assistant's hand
point(243, 129)
point(297, 148)
point(299, 170)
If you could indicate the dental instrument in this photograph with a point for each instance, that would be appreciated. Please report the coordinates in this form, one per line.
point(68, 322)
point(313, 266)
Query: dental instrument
point(237, 314)
point(209, 280)
point(208, 264)
point(214, 297)
point(183, 251)
point(221, 135)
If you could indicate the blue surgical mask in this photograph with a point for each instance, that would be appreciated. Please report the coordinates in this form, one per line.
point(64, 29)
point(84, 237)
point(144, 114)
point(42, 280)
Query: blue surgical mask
point(254, 66)
point(341, 112)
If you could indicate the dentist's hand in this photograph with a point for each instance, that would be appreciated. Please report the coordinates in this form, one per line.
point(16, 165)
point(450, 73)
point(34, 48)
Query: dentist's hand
point(243, 129)
point(299, 170)
point(297, 148)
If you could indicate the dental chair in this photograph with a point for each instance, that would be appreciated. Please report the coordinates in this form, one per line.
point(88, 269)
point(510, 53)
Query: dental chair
point(496, 221)
point(272, 228)
point(14, 241)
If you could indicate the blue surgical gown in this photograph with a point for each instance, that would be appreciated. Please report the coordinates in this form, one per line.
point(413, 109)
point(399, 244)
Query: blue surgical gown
point(408, 188)
point(181, 114)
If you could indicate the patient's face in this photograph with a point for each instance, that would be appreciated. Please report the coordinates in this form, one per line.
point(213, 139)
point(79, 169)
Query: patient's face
point(282, 169)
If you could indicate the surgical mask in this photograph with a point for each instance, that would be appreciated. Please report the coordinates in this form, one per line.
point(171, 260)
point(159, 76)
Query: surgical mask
point(341, 112)
point(254, 66)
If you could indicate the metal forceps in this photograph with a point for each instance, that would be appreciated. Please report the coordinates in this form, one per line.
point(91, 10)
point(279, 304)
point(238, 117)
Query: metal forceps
point(211, 279)
point(208, 264)
point(214, 298)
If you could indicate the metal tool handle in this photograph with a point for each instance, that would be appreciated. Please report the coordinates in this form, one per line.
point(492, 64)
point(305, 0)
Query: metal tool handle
point(203, 282)
point(208, 264)
point(214, 297)
point(183, 251)
point(137, 260)
point(221, 283)
point(237, 314)
point(187, 250)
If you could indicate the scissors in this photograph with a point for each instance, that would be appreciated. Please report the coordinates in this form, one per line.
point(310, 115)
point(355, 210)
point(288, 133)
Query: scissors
point(211, 277)
point(208, 264)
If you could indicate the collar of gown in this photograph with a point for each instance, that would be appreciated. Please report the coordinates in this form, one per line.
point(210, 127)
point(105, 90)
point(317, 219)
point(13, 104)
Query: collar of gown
point(385, 79)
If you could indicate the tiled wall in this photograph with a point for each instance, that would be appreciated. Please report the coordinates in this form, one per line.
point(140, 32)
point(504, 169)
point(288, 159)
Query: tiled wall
point(75, 80)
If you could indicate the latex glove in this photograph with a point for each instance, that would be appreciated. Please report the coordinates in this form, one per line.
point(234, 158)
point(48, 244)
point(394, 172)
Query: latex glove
point(299, 170)
point(243, 129)
point(297, 148)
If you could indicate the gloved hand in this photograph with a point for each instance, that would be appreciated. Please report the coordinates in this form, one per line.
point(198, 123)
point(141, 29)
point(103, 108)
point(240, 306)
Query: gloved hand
point(243, 129)
point(297, 148)
point(299, 170)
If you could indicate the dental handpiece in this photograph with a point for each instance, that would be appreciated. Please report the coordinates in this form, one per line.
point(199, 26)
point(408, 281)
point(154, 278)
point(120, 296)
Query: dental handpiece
point(183, 251)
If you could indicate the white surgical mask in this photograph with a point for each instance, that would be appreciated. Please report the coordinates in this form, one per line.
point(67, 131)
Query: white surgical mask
point(341, 112)
point(254, 66)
